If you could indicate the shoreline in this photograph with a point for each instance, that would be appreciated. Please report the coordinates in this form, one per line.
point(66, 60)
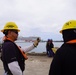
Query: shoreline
point(40, 54)
point(37, 54)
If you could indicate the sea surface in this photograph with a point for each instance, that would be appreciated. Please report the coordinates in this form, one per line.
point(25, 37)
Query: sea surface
point(40, 48)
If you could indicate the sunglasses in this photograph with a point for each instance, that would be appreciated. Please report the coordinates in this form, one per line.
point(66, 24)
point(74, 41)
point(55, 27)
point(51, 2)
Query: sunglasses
point(15, 31)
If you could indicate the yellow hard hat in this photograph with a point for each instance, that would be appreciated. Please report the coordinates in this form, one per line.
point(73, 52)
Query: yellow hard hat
point(9, 26)
point(69, 25)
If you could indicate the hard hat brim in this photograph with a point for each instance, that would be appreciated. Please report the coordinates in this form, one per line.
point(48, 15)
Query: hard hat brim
point(10, 29)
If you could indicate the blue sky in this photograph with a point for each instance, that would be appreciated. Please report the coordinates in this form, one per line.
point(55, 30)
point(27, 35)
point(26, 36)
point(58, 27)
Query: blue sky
point(42, 18)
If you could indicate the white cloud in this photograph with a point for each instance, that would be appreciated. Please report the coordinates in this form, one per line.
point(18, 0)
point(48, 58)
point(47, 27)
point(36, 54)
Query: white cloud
point(37, 17)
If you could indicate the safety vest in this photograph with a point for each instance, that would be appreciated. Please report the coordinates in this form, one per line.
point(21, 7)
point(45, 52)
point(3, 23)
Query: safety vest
point(72, 41)
point(24, 55)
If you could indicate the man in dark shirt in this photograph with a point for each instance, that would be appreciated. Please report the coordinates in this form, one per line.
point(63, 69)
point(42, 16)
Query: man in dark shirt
point(64, 61)
point(13, 57)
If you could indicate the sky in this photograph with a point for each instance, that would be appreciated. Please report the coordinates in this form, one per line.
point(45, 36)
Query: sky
point(39, 18)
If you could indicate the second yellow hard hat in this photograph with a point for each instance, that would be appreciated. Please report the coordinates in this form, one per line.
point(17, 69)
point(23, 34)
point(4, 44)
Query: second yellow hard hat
point(69, 25)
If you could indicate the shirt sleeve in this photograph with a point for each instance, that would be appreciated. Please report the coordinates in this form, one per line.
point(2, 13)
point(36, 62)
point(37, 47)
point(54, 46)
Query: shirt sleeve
point(14, 68)
point(27, 49)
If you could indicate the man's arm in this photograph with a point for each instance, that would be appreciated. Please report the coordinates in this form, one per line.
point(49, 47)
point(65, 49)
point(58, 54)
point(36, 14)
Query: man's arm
point(14, 68)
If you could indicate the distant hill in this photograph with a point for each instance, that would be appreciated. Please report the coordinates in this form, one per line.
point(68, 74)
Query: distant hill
point(28, 39)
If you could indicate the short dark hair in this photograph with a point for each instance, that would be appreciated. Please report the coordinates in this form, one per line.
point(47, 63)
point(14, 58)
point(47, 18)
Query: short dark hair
point(5, 32)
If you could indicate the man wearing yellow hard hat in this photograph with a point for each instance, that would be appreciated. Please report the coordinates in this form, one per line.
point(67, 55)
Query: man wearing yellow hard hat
point(64, 62)
point(13, 57)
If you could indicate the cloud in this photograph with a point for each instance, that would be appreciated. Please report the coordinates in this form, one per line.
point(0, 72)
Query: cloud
point(37, 17)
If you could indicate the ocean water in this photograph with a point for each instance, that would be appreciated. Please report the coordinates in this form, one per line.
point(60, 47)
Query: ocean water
point(40, 48)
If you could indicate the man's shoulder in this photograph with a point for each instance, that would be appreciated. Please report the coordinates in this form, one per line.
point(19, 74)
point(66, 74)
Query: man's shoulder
point(8, 43)
point(65, 48)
